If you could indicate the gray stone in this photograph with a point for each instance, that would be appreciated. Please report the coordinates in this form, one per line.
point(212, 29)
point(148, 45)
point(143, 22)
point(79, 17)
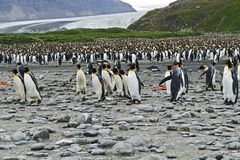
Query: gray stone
point(64, 142)
point(41, 134)
point(91, 133)
point(74, 148)
point(37, 154)
point(49, 147)
point(146, 108)
point(171, 156)
point(104, 143)
point(7, 117)
point(171, 128)
point(209, 109)
point(98, 152)
point(37, 146)
point(5, 137)
point(19, 136)
point(7, 146)
point(202, 147)
point(63, 119)
point(132, 119)
point(234, 146)
point(123, 149)
point(104, 131)
point(136, 141)
point(85, 118)
point(69, 134)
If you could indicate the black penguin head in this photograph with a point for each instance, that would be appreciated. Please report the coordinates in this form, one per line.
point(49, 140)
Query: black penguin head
point(169, 67)
point(109, 66)
point(15, 71)
point(26, 69)
point(94, 71)
point(19, 63)
point(79, 66)
point(132, 66)
point(177, 64)
point(214, 63)
point(122, 72)
point(104, 66)
point(228, 63)
point(202, 67)
point(115, 71)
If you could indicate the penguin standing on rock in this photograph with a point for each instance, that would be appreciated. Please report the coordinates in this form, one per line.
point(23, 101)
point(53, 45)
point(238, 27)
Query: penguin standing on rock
point(30, 82)
point(19, 86)
point(81, 81)
point(134, 84)
point(230, 84)
point(98, 85)
point(177, 83)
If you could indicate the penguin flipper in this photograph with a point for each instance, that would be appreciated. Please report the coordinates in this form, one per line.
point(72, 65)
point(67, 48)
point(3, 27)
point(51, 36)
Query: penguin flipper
point(165, 80)
point(73, 76)
point(205, 72)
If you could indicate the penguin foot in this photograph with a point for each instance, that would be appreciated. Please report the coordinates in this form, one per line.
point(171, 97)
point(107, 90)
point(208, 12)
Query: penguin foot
point(83, 98)
point(230, 103)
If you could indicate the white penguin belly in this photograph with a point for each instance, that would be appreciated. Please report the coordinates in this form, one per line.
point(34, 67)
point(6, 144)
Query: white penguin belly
point(119, 85)
point(81, 81)
point(19, 87)
point(133, 86)
point(32, 91)
point(97, 86)
point(228, 87)
point(168, 83)
point(125, 85)
point(107, 81)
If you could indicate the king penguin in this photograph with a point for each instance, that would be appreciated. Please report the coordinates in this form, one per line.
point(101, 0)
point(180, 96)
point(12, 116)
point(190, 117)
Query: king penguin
point(30, 82)
point(107, 79)
point(19, 85)
point(134, 84)
point(210, 72)
point(98, 85)
point(118, 82)
point(176, 83)
point(125, 83)
point(230, 84)
point(81, 81)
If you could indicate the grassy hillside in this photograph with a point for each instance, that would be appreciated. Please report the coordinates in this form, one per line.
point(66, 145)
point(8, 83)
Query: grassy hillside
point(226, 19)
point(193, 15)
point(86, 35)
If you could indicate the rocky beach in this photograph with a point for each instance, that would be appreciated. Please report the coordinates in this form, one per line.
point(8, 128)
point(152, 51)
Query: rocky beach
point(198, 126)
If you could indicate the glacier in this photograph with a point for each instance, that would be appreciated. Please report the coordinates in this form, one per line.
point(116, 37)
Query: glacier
point(120, 20)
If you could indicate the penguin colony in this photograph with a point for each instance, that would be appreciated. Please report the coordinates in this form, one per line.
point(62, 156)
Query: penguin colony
point(107, 81)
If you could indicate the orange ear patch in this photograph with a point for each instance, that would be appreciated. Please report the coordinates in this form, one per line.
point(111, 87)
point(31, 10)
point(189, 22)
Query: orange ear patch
point(3, 83)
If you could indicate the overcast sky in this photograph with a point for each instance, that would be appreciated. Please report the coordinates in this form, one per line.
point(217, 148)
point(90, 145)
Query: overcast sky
point(148, 4)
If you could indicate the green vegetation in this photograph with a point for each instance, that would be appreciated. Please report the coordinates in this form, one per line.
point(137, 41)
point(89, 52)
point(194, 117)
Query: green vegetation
point(226, 19)
point(193, 15)
point(86, 35)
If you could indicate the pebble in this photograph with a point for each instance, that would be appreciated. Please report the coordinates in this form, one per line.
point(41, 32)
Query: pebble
point(98, 152)
point(37, 146)
point(123, 149)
